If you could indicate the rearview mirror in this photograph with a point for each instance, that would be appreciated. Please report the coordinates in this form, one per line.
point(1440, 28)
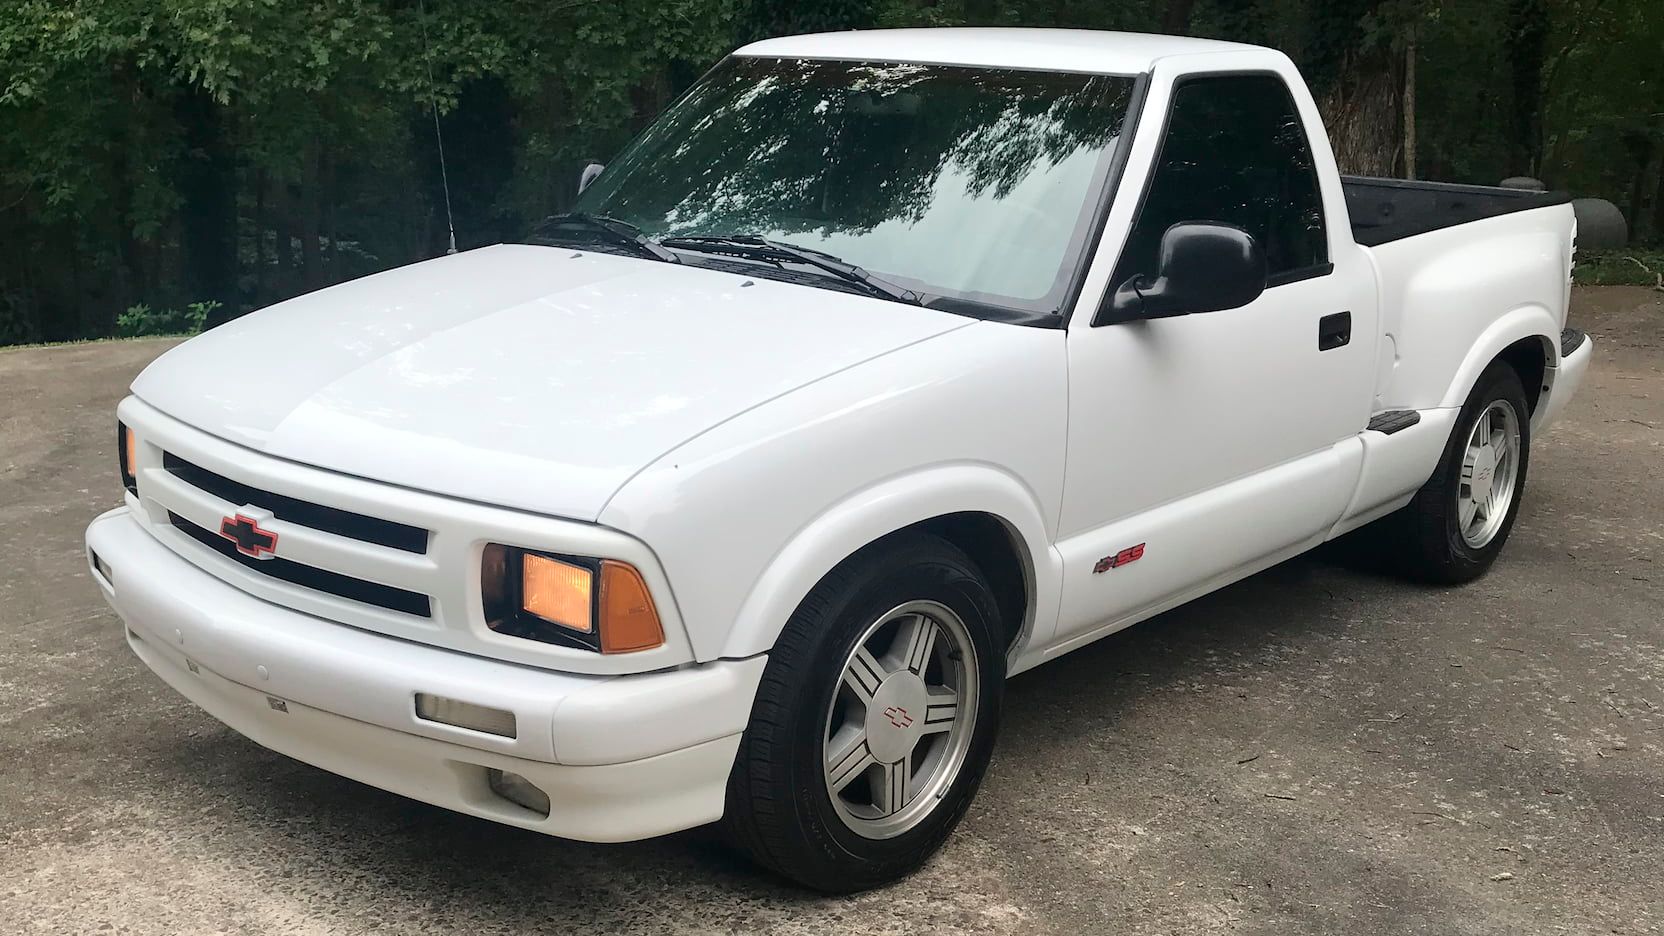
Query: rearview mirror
point(1204, 267)
point(591, 170)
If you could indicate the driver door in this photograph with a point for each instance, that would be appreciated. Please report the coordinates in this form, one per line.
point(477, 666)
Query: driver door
point(1203, 447)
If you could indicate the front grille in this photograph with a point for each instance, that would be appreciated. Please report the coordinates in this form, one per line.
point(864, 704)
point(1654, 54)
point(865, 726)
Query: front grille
point(317, 516)
point(346, 586)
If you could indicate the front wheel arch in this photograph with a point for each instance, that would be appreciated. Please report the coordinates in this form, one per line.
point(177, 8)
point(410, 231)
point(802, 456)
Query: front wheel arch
point(783, 794)
point(970, 505)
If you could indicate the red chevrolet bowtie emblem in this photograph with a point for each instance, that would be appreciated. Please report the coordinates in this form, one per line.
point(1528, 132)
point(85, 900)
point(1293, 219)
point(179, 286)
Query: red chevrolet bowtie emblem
point(898, 716)
point(250, 539)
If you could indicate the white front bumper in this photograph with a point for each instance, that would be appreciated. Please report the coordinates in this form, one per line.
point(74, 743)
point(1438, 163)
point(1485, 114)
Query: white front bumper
point(621, 758)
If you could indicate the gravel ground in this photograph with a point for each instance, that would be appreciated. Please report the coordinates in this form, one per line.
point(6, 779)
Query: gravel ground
point(1315, 750)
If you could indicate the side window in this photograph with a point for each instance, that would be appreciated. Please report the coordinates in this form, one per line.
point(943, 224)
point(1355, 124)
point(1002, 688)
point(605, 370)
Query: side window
point(1236, 153)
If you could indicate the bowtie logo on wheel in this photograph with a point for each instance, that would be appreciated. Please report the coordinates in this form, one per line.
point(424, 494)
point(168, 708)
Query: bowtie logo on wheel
point(244, 530)
point(898, 716)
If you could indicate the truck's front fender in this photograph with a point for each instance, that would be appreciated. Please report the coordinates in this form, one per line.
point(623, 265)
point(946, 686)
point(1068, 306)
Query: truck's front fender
point(882, 509)
point(746, 517)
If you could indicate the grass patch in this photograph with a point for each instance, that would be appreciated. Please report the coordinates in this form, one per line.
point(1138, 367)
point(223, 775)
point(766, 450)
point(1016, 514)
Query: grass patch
point(81, 341)
point(1619, 267)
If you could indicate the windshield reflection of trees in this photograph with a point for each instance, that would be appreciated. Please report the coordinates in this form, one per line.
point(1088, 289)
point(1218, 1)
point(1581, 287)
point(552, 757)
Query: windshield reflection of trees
point(828, 146)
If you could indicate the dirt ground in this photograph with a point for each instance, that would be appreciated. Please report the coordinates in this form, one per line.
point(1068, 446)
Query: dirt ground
point(1316, 750)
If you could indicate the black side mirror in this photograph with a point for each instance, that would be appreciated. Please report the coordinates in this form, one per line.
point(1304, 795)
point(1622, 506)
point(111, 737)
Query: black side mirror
point(591, 170)
point(1204, 267)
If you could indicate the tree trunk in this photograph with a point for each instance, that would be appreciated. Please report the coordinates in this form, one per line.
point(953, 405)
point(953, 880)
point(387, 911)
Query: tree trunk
point(1641, 147)
point(1358, 87)
point(1528, 24)
point(327, 195)
point(1410, 103)
point(311, 262)
point(205, 185)
point(768, 18)
point(129, 272)
point(284, 228)
point(261, 224)
point(1363, 115)
point(981, 12)
point(1657, 205)
point(127, 246)
point(1175, 19)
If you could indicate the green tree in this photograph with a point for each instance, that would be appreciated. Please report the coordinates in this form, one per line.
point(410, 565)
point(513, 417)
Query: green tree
point(244, 151)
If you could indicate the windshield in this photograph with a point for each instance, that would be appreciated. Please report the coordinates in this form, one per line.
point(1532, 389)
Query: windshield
point(968, 183)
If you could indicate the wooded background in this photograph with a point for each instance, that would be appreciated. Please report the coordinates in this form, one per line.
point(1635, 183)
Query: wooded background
point(156, 154)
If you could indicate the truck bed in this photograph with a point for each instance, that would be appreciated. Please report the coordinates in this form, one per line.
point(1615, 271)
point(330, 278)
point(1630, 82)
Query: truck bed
point(1385, 210)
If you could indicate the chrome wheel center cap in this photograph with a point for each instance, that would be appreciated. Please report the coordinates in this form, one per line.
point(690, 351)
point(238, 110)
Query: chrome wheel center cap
point(895, 720)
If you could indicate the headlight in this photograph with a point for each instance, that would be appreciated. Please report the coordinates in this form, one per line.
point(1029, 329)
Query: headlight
point(558, 592)
point(597, 604)
point(127, 451)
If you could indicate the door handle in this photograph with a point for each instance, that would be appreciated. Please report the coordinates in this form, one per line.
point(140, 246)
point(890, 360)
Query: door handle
point(1334, 331)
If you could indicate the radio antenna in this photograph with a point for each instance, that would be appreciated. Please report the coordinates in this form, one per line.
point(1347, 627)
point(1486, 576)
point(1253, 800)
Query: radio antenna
point(438, 137)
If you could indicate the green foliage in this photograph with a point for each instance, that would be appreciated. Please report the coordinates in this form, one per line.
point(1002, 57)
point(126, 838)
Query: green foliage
point(141, 320)
point(1619, 268)
point(244, 151)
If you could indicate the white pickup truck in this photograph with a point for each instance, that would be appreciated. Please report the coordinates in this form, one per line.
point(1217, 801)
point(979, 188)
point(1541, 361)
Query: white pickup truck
point(881, 367)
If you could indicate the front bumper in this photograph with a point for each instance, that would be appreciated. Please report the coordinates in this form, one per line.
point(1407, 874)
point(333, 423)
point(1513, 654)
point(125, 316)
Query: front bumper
point(621, 757)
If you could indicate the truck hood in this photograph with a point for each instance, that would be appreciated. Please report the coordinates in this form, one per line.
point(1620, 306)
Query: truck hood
point(536, 378)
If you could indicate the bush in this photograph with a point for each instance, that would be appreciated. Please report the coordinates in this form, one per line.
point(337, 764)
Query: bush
point(141, 320)
point(1620, 267)
point(15, 327)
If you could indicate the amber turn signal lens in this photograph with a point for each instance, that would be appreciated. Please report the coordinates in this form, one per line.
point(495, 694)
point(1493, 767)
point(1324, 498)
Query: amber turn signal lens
point(629, 622)
point(129, 456)
point(557, 592)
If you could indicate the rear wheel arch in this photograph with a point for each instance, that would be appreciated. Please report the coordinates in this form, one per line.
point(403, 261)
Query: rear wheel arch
point(1525, 339)
point(1531, 359)
point(1425, 539)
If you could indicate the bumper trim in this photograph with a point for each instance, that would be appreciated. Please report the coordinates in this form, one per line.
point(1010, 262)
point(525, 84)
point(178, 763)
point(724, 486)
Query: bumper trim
point(621, 757)
point(1577, 349)
point(610, 803)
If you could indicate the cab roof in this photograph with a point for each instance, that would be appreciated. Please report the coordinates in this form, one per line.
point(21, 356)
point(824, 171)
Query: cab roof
point(1072, 50)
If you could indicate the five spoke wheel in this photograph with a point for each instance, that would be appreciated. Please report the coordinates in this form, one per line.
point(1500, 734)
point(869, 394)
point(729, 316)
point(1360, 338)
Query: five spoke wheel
point(901, 721)
point(1490, 466)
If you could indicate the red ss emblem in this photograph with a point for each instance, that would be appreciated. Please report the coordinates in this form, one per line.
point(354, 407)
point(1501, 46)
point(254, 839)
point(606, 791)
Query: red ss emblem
point(1130, 554)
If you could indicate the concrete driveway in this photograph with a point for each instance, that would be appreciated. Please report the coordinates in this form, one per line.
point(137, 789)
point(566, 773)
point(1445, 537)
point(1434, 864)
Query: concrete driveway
point(1315, 750)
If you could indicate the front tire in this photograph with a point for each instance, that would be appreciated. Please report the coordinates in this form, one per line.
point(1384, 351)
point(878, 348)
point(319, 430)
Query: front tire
point(1458, 522)
point(874, 721)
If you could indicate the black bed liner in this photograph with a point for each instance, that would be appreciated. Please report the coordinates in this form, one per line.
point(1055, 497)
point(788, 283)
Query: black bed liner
point(1385, 210)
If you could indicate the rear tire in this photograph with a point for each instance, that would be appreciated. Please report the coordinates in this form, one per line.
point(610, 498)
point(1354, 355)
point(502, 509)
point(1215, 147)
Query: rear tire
point(817, 792)
point(1458, 522)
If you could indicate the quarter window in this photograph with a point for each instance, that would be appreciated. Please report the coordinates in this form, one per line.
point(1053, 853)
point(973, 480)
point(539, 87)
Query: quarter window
point(1236, 153)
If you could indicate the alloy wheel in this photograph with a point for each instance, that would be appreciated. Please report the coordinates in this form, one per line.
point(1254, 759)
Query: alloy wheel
point(900, 723)
point(1490, 466)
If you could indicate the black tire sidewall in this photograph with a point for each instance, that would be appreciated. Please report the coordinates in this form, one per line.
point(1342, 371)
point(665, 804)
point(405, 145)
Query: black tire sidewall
point(934, 571)
point(1498, 382)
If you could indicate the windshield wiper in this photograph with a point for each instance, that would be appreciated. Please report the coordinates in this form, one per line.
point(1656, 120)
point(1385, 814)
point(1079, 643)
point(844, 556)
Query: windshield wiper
point(619, 232)
point(751, 246)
